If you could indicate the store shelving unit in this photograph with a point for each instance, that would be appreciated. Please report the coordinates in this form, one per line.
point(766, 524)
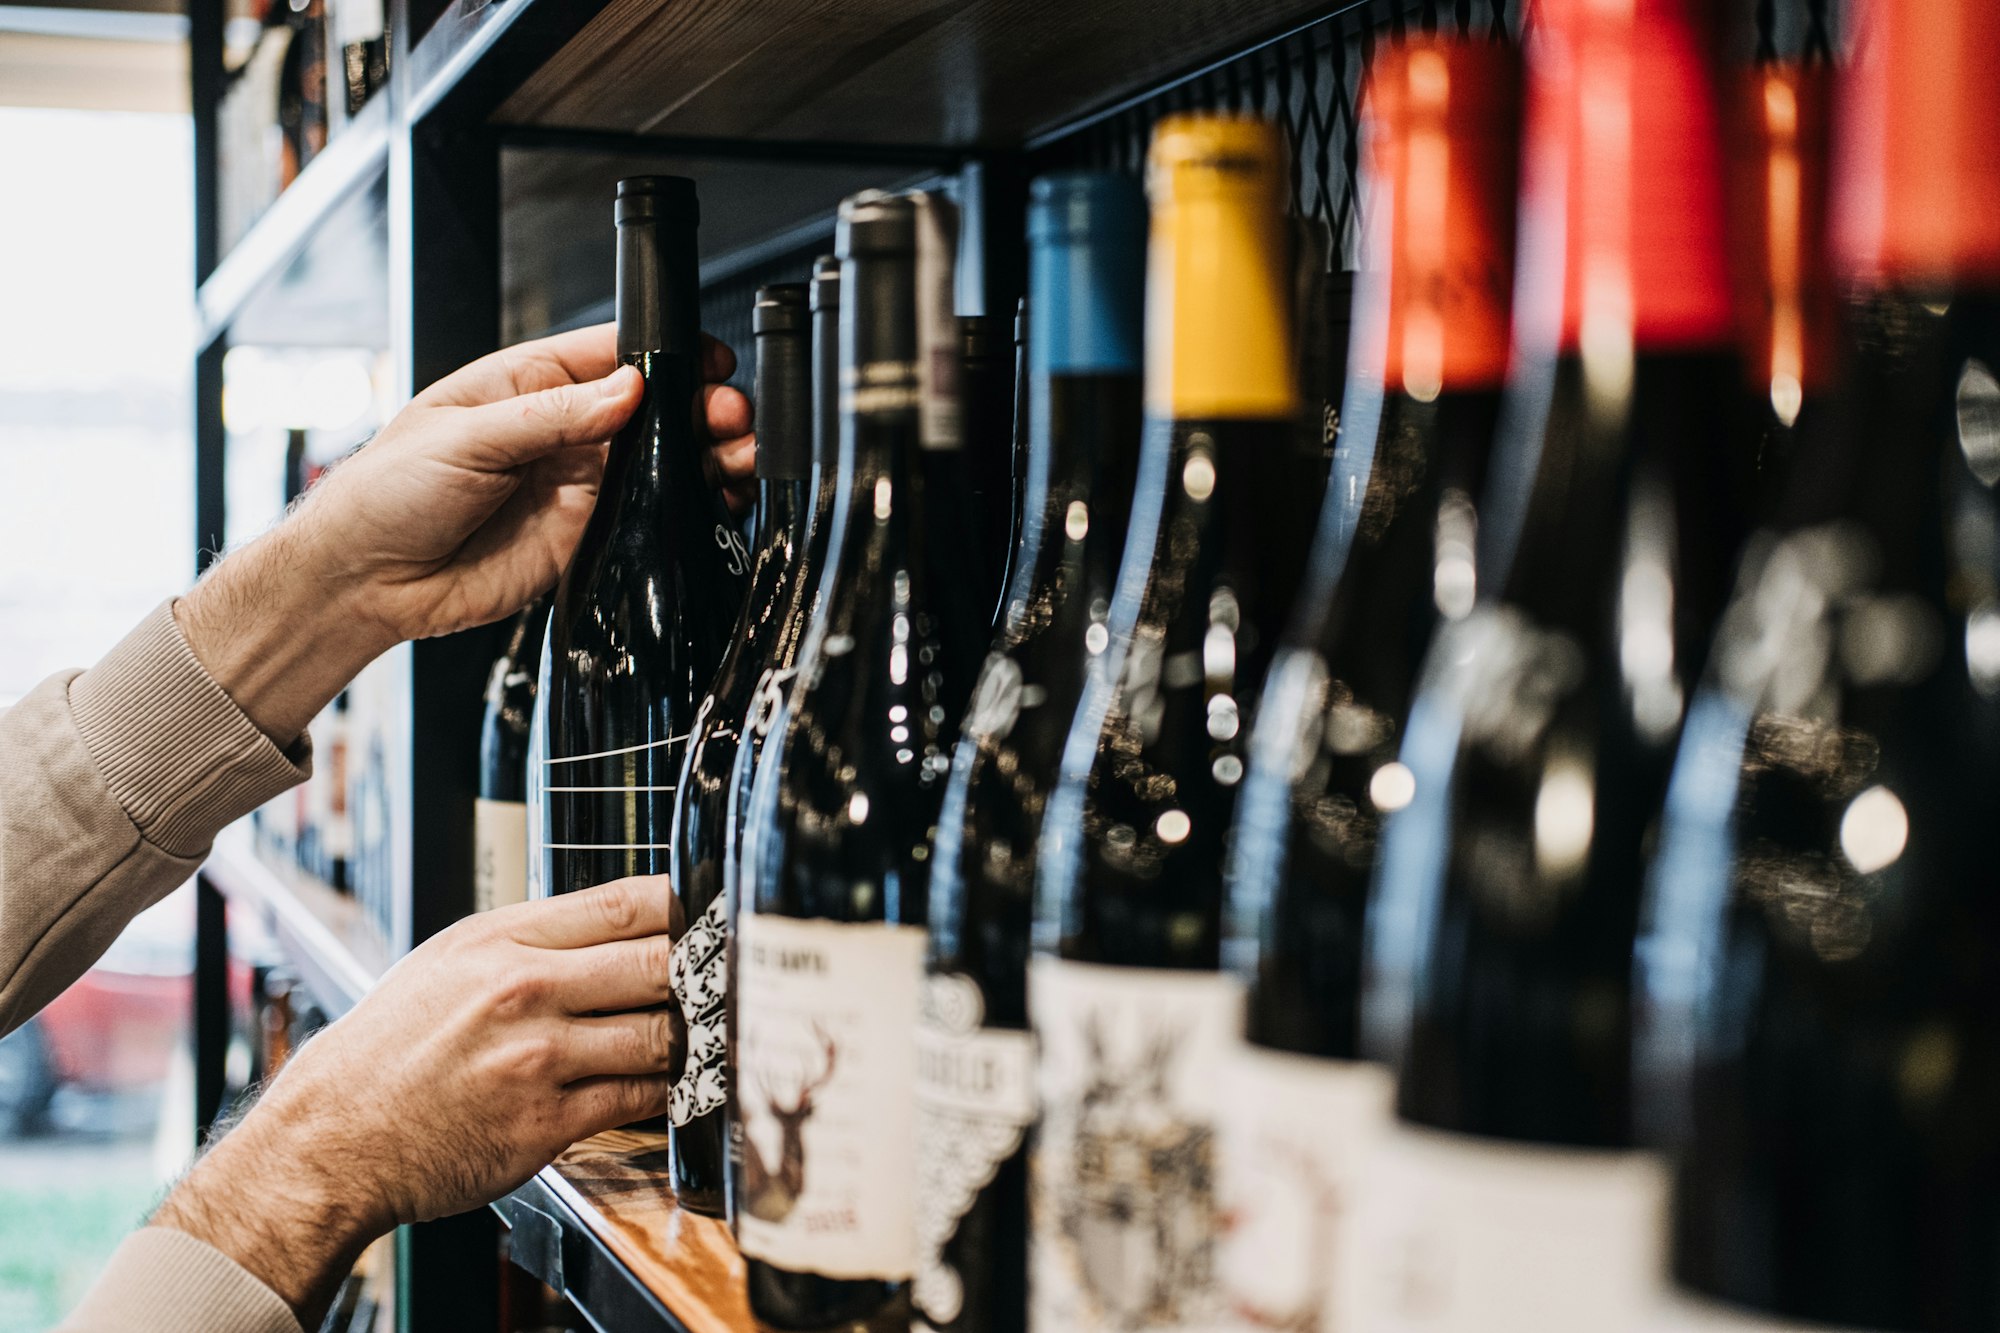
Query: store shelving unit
point(468, 207)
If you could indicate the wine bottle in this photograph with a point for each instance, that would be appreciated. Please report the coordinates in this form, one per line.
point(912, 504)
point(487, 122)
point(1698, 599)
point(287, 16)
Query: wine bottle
point(500, 812)
point(830, 939)
point(1130, 1013)
point(1392, 556)
point(1086, 269)
point(1817, 973)
point(780, 665)
point(986, 360)
point(696, 1141)
point(774, 678)
point(645, 609)
point(1501, 928)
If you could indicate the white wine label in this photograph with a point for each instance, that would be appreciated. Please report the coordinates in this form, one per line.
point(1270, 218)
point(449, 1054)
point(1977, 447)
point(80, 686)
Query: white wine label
point(975, 1101)
point(1123, 1172)
point(1294, 1134)
point(1454, 1234)
point(1682, 1312)
point(827, 1073)
point(499, 853)
point(701, 985)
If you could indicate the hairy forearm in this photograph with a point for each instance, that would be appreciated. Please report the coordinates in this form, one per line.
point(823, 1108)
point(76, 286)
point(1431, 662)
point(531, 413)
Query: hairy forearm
point(278, 631)
point(259, 1197)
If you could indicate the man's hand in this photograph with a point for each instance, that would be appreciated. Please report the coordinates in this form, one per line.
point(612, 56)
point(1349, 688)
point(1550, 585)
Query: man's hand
point(480, 1056)
point(464, 507)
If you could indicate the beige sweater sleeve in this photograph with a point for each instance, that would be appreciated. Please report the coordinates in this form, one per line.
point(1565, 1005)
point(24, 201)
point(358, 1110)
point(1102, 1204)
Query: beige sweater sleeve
point(113, 783)
point(165, 1281)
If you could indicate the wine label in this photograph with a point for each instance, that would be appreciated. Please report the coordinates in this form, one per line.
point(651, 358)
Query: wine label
point(1123, 1169)
point(499, 853)
point(701, 986)
point(827, 1073)
point(975, 1101)
point(1454, 1234)
point(1294, 1135)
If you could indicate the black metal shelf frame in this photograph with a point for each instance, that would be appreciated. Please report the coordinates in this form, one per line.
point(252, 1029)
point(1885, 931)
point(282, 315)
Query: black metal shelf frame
point(429, 140)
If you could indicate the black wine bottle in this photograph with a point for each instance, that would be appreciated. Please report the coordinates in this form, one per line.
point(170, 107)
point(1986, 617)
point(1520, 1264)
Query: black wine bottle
point(829, 957)
point(500, 812)
point(1392, 557)
point(1130, 1013)
point(1818, 974)
point(1501, 929)
point(645, 610)
point(986, 363)
point(1086, 269)
point(697, 1141)
point(782, 653)
point(780, 665)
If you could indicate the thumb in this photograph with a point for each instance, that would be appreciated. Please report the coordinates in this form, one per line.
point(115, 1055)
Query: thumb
point(497, 436)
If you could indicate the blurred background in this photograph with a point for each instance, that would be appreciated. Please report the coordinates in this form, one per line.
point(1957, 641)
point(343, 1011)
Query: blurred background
point(95, 443)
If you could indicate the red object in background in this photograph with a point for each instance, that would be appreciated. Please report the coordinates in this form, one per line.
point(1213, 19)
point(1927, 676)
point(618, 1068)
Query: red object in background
point(116, 1031)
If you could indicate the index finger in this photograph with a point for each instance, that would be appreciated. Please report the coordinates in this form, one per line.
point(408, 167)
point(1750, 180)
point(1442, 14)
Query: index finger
point(624, 909)
point(575, 357)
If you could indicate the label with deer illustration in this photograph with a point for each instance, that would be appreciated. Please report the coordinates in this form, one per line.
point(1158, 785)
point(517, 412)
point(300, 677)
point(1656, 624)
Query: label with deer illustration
point(826, 1090)
point(1124, 1166)
point(1293, 1139)
point(975, 1101)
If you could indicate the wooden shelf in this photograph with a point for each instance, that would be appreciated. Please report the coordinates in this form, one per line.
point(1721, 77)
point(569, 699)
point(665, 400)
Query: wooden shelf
point(340, 196)
point(950, 73)
point(601, 1226)
point(336, 949)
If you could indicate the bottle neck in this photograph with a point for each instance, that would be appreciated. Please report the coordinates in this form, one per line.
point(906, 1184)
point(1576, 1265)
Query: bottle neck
point(784, 511)
point(1623, 190)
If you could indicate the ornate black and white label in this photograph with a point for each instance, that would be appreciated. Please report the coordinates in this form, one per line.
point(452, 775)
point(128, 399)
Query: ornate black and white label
point(826, 1080)
point(701, 982)
point(975, 1101)
point(1124, 1167)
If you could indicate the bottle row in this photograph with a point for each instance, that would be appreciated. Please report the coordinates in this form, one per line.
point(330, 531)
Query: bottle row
point(1508, 852)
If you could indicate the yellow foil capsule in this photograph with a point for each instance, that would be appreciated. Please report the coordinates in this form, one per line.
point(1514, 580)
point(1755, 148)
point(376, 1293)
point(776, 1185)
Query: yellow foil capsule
point(1218, 299)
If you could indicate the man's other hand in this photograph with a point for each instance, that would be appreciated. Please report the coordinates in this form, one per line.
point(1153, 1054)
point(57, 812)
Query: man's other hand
point(481, 1055)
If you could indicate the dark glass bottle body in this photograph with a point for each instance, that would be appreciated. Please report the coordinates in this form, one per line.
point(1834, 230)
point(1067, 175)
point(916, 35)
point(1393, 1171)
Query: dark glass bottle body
point(845, 802)
point(1817, 970)
point(500, 819)
point(987, 389)
point(644, 612)
point(1087, 237)
point(697, 1138)
point(1129, 1011)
